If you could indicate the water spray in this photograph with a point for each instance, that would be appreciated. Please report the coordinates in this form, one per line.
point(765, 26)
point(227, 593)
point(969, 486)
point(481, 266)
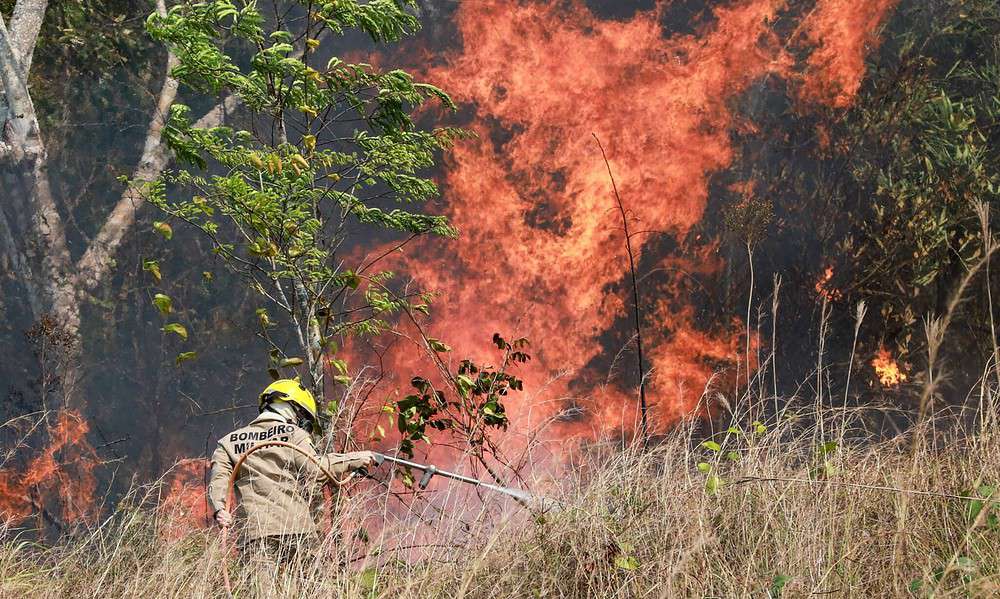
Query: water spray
point(430, 471)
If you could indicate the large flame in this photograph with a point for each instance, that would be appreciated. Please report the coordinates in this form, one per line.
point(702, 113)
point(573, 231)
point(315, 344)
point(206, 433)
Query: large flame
point(59, 480)
point(840, 34)
point(541, 252)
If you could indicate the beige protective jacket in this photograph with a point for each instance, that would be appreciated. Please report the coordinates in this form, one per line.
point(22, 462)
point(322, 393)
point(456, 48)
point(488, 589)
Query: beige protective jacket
point(276, 487)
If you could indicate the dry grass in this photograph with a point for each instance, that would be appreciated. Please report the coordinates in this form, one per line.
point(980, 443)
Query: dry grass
point(816, 501)
point(839, 523)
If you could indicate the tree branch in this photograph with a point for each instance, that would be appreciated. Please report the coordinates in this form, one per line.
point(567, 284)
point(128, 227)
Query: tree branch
point(16, 131)
point(95, 263)
point(25, 24)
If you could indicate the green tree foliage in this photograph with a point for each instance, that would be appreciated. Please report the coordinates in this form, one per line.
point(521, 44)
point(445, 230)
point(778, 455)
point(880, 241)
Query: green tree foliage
point(878, 202)
point(922, 154)
point(327, 147)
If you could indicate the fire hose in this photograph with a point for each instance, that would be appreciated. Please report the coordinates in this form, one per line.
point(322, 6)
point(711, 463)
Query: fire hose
point(429, 471)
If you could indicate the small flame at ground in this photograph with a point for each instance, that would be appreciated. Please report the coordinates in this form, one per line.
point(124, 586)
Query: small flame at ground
point(185, 505)
point(887, 370)
point(60, 481)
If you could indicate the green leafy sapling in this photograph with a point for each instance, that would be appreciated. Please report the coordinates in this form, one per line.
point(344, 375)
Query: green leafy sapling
point(318, 148)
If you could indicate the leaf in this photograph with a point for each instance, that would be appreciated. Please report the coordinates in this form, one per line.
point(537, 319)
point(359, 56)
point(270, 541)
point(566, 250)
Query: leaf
point(827, 447)
point(733, 456)
point(759, 428)
point(153, 268)
point(176, 329)
point(704, 467)
point(627, 562)
point(184, 357)
point(368, 580)
point(975, 506)
point(712, 484)
point(163, 303)
point(778, 584)
point(309, 142)
point(437, 345)
point(163, 229)
point(464, 384)
point(966, 564)
point(342, 379)
point(711, 446)
point(352, 280)
point(290, 362)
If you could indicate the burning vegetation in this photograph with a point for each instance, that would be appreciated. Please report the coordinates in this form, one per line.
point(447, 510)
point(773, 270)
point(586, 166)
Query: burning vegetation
point(887, 369)
point(540, 252)
point(541, 256)
point(58, 484)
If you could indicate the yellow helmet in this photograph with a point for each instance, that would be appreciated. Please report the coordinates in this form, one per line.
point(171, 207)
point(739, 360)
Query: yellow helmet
point(292, 391)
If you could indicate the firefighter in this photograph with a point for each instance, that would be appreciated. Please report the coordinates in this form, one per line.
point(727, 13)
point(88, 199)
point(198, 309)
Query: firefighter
point(276, 486)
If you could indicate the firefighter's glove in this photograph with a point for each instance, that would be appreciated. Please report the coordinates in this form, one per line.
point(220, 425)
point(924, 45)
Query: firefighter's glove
point(223, 518)
point(359, 459)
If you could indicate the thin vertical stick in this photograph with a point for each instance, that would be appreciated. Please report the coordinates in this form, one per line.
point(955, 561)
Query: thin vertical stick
point(749, 306)
point(983, 209)
point(774, 340)
point(644, 427)
point(824, 316)
point(859, 316)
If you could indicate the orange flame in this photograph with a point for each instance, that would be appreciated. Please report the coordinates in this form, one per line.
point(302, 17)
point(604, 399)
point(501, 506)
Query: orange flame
point(887, 370)
point(841, 35)
point(540, 253)
point(184, 505)
point(63, 473)
point(823, 287)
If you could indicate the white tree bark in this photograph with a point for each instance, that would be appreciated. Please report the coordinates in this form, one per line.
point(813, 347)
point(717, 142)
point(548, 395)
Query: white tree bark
point(32, 234)
point(49, 246)
point(24, 27)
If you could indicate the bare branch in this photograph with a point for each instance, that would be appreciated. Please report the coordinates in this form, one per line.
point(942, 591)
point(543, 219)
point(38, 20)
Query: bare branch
point(635, 298)
point(95, 263)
